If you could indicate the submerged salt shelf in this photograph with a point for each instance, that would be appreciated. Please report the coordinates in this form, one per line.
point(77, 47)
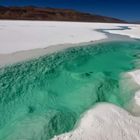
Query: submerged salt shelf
point(47, 96)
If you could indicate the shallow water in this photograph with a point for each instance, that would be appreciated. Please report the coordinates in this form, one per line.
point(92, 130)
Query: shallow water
point(46, 96)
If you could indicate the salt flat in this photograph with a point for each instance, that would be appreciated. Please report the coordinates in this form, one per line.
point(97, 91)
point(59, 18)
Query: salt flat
point(105, 121)
point(26, 35)
point(133, 32)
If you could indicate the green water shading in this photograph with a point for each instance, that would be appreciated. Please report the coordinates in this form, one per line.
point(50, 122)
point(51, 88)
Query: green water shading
point(46, 96)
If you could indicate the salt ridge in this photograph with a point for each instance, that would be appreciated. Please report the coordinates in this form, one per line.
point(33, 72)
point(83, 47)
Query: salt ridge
point(105, 122)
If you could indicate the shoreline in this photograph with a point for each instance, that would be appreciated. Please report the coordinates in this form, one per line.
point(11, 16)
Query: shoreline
point(19, 57)
point(30, 37)
point(107, 121)
point(27, 55)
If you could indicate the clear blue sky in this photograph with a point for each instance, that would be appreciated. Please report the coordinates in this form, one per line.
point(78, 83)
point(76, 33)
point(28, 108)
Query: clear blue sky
point(123, 9)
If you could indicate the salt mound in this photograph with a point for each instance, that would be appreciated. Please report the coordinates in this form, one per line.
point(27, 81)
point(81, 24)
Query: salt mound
point(104, 122)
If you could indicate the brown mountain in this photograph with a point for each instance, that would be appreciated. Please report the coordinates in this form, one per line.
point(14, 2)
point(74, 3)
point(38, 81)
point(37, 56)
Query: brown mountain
point(135, 22)
point(35, 13)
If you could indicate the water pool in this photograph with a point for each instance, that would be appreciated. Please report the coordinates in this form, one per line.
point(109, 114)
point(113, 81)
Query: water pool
point(45, 97)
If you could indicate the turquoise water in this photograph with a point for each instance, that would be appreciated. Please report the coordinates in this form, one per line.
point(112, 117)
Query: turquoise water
point(46, 96)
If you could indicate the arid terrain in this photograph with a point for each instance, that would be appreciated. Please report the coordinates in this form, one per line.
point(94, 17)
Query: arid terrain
point(51, 14)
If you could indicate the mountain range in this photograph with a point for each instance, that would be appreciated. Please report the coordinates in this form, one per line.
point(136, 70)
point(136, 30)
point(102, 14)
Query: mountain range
point(52, 14)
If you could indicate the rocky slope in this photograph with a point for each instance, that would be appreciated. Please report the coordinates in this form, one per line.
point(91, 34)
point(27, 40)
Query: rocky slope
point(35, 13)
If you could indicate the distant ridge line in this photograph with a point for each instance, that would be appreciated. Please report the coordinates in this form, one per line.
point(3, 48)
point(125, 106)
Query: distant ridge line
point(52, 14)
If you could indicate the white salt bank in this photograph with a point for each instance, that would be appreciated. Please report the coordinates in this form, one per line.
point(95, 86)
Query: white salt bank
point(105, 122)
point(26, 35)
